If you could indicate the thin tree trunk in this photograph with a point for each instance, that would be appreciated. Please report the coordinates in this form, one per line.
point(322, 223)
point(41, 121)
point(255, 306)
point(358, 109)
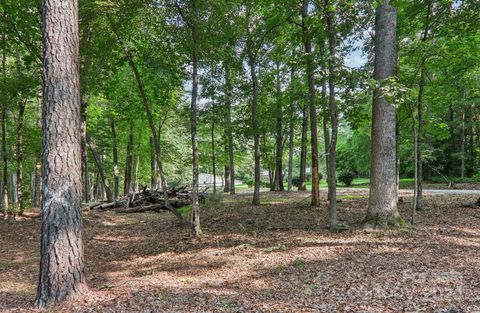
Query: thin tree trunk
point(149, 113)
point(4, 129)
point(101, 169)
point(462, 139)
point(332, 151)
point(421, 92)
point(228, 96)
point(21, 113)
point(303, 152)
point(153, 166)
point(313, 106)
point(83, 147)
point(325, 110)
point(62, 271)
point(291, 134)
point(278, 179)
point(137, 165)
point(128, 163)
point(382, 202)
point(195, 213)
point(116, 170)
point(226, 179)
point(212, 136)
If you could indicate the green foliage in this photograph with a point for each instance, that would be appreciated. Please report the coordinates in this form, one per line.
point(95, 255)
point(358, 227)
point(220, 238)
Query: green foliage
point(346, 178)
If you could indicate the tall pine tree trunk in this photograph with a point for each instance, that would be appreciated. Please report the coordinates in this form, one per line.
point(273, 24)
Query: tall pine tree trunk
point(382, 201)
point(62, 271)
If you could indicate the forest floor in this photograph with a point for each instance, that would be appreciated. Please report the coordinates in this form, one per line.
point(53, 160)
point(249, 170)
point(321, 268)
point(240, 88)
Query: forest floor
point(277, 257)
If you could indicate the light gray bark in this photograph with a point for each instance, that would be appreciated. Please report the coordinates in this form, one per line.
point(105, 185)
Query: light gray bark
point(382, 202)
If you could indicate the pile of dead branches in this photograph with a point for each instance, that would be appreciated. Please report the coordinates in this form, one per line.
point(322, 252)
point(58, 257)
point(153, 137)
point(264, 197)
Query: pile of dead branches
point(151, 200)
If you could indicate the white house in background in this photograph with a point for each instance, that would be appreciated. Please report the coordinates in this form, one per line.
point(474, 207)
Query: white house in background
point(206, 180)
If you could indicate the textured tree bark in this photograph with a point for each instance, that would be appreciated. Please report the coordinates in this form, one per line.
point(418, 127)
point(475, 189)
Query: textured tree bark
point(313, 105)
point(278, 179)
point(332, 151)
point(116, 171)
point(303, 150)
point(231, 157)
point(382, 202)
point(226, 179)
point(252, 62)
point(127, 187)
point(62, 271)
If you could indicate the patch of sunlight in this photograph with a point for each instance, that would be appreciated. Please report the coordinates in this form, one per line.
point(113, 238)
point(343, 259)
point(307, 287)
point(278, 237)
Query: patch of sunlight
point(118, 239)
point(120, 221)
point(15, 286)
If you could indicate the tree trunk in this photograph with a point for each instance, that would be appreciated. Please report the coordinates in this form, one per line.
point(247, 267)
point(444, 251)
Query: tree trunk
point(137, 165)
point(148, 111)
point(453, 150)
point(421, 92)
point(116, 171)
point(212, 135)
point(226, 175)
point(332, 151)
point(291, 134)
point(462, 139)
point(195, 213)
point(4, 129)
point(382, 202)
point(153, 166)
point(21, 113)
point(252, 62)
point(83, 147)
point(228, 96)
point(127, 187)
point(313, 105)
point(303, 153)
point(101, 169)
point(62, 271)
point(325, 111)
point(278, 180)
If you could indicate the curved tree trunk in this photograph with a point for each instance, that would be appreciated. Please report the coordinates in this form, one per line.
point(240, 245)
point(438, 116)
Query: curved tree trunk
point(61, 255)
